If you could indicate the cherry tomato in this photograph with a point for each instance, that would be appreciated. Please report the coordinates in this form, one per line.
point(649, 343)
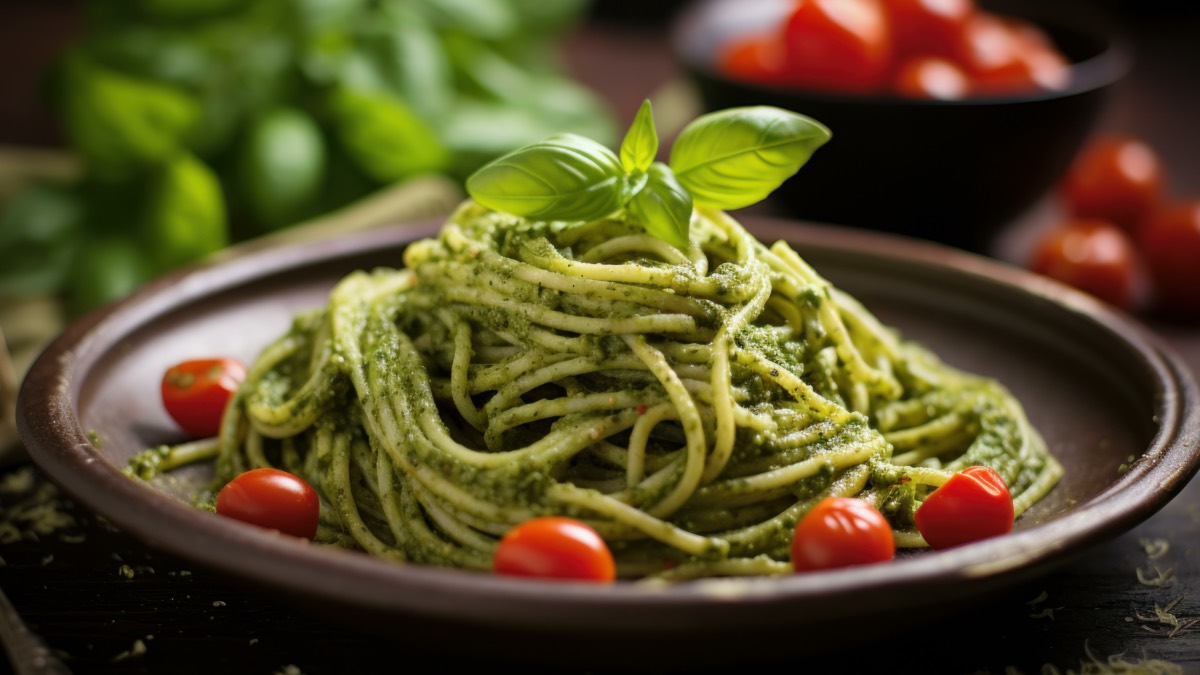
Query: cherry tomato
point(839, 532)
point(555, 548)
point(931, 77)
point(1009, 56)
point(841, 45)
point(928, 27)
point(755, 59)
point(974, 504)
point(273, 499)
point(1170, 242)
point(1092, 255)
point(1048, 68)
point(195, 393)
point(1118, 178)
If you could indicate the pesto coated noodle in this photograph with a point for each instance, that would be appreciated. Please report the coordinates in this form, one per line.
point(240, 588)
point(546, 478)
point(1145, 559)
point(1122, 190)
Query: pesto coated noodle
point(690, 406)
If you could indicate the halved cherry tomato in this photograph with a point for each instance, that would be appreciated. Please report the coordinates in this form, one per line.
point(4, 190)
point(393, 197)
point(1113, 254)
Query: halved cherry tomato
point(840, 45)
point(928, 27)
point(758, 58)
point(272, 499)
point(1170, 242)
point(195, 393)
point(931, 77)
point(1092, 255)
point(1115, 177)
point(553, 547)
point(974, 504)
point(839, 532)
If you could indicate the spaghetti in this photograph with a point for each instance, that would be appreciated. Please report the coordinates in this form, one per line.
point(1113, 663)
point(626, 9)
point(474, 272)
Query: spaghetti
point(690, 405)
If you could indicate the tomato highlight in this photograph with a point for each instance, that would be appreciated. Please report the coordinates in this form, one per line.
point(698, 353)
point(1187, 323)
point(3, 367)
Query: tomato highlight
point(273, 499)
point(974, 504)
point(1117, 178)
point(1095, 256)
point(196, 392)
point(838, 45)
point(553, 547)
point(841, 532)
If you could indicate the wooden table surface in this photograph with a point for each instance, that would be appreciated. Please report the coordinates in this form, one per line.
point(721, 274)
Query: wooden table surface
point(111, 604)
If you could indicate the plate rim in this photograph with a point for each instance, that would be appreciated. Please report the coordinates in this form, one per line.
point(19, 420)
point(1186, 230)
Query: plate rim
point(60, 446)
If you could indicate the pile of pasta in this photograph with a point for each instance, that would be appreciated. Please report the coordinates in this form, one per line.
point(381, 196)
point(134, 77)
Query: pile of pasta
point(691, 406)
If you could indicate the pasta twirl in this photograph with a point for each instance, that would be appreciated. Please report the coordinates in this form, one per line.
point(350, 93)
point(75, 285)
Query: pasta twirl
point(691, 405)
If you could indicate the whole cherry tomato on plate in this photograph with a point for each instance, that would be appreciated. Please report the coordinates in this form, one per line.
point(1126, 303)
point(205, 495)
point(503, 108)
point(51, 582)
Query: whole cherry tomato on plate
point(1118, 178)
point(839, 532)
point(1170, 243)
point(840, 45)
point(195, 393)
point(1092, 255)
point(553, 547)
point(974, 504)
point(272, 499)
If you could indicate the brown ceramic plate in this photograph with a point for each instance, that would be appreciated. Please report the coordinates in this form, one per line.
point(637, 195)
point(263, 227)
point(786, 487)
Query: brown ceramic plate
point(1121, 414)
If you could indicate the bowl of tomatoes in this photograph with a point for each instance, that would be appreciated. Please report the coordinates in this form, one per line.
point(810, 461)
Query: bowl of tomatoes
point(950, 118)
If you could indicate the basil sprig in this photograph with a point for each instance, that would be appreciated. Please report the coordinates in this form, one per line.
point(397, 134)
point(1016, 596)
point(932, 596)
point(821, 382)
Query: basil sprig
point(725, 160)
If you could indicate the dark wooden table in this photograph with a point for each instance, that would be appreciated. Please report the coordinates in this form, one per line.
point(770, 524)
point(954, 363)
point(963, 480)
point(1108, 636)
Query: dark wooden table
point(112, 604)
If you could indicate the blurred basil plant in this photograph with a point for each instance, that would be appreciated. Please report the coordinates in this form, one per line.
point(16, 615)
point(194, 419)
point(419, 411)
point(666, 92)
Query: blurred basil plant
point(204, 122)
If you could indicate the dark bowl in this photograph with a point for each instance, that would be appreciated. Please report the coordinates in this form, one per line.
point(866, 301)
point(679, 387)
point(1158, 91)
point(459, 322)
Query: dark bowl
point(1121, 413)
point(950, 171)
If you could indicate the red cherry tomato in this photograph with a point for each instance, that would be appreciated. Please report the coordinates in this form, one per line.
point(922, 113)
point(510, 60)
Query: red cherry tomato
point(974, 504)
point(928, 27)
point(554, 548)
point(755, 59)
point(1047, 67)
point(931, 77)
point(1092, 255)
point(839, 532)
point(195, 393)
point(1118, 178)
point(840, 45)
point(1009, 56)
point(1170, 242)
point(272, 499)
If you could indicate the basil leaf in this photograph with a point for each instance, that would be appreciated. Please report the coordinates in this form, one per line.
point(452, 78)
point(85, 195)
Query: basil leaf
point(281, 166)
point(640, 146)
point(663, 207)
point(112, 268)
point(39, 235)
point(483, 19)
point(186, 218)
point(736, 157)
point(565, 177)
point(384, 136)
point(119, 123)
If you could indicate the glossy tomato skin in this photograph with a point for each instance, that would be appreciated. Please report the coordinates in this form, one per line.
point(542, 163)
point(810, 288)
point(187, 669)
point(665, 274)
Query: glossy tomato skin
point(1115, 177)
point(928, 27)
point(195, 393)
point(1170, 244)
point(974, 504)
point(932, 78)
point(553, 547)
point(272, 499)
point(840, 532)
point(1092, 255)
point(837, 45)
point(757, 59)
